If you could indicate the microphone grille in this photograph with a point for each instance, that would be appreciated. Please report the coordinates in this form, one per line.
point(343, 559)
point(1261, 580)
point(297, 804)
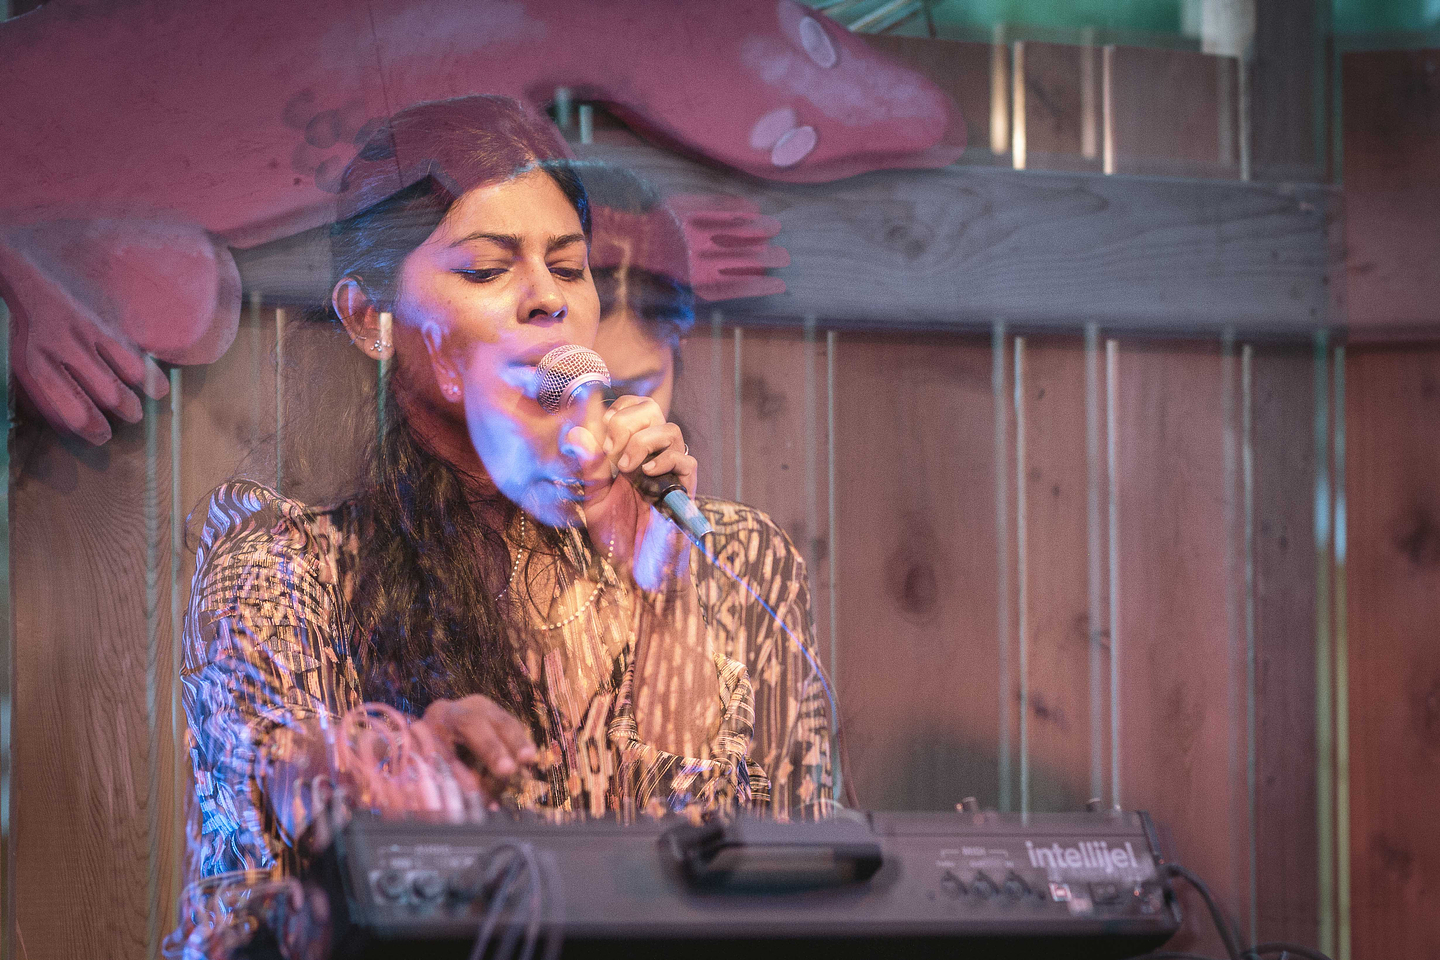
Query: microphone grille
point(564, 370)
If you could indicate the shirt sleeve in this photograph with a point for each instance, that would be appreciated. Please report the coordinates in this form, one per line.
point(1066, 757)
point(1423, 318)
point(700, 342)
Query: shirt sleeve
point(263, 658)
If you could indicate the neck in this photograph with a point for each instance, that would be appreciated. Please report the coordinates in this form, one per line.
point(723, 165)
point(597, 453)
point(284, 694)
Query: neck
point(447, 437)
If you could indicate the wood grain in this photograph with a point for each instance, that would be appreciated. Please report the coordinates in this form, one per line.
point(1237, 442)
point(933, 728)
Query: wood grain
point(1285, 637)
point(1168, 113)
point(1290, 91)
point(1178, 698)
point(1392, 198)
point(1393, 576)
point(1057, 575)
point(965, 246)
point(1055, 117)
point(917, 570)
point(94, 815)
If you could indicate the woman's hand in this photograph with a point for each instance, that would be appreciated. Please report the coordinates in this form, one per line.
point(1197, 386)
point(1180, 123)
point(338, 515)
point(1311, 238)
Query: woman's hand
point(483, 743)
point(634, 440)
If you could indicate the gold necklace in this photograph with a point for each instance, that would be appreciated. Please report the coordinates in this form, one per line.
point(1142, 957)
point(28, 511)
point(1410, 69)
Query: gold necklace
point(599, 585)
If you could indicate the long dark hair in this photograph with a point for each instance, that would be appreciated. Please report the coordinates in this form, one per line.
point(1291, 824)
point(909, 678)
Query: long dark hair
point(433, 555)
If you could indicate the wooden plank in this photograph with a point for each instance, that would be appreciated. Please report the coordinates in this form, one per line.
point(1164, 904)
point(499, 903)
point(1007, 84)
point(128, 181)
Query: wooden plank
point(1177, 702)
point(1057, 575)
point(1056, 114)
point(1392, 198)
point(94, 812)
point(1290, 91)
point(1168, 113)
point(704, 404)
point(1285, 631)
point(1393, 581)
point(784, 449)
point(964, 246)
point(917, 569)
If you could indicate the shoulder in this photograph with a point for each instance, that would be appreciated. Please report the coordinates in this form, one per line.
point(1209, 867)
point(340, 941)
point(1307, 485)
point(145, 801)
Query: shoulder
point(740, 520)
point(251, 525)
point(751, 543)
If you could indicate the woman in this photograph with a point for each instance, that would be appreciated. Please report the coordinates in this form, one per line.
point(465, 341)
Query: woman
point(483, 582)
point(639, 259)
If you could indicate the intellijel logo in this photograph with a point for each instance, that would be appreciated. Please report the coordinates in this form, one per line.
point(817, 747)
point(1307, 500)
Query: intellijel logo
point(1092, 854)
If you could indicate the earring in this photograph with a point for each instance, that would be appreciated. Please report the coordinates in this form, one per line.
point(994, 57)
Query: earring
point(381, 345)
point(451, 390)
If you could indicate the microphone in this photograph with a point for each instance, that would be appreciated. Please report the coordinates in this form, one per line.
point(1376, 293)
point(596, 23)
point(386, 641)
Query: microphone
point(562, 375)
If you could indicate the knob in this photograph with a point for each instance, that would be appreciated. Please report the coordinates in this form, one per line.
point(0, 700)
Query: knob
point(1015, 888)
point(951, 884)
point(428, 886)
point(969, 805)
point(391, 884)
point(1094, 805)
point(983, 887)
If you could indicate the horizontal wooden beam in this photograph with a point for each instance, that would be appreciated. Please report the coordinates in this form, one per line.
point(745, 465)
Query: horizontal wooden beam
point(967, 245)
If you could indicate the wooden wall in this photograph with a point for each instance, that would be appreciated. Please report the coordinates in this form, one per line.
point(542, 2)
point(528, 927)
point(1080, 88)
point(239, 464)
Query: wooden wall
point(969, 657)
point(1392, 198)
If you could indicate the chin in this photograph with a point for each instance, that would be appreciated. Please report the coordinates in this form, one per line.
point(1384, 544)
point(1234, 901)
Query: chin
point(550, 507)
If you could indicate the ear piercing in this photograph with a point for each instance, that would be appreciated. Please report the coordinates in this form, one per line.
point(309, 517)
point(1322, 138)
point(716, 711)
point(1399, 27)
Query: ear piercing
point(381, 345)
point(451, 390)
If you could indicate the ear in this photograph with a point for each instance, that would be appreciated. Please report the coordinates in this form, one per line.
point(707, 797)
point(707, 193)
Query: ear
point(447, 376)
point(367, 325)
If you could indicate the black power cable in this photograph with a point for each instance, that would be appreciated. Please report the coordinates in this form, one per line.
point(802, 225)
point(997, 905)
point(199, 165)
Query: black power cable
point(1229, 937)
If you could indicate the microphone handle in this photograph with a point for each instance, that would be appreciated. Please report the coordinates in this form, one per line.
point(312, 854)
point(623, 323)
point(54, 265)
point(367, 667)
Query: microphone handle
point(669, 496)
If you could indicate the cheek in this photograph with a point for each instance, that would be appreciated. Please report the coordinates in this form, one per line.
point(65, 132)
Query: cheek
point(513, 444)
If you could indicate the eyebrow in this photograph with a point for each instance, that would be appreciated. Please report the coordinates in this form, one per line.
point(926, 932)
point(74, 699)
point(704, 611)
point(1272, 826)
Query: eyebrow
point(512, 242)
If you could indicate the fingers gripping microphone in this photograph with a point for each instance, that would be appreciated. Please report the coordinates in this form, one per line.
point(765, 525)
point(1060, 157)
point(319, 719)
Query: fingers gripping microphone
point(568, 370)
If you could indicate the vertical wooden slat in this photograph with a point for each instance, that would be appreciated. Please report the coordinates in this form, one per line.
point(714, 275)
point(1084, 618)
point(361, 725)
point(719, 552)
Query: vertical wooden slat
point(1290, 90)
point(1153, 134)
point(916, 513)
point(704, 404)
point(1176, 676)
point(1002, 452)
point(1285, 628)
point(1055, 492)
point(1061, 107)
point(1392, 572)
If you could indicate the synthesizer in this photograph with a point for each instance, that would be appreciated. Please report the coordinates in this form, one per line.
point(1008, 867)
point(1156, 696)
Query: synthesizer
point(963, 884)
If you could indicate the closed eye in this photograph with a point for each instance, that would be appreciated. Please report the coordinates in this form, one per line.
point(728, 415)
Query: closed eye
point(569, 273)
point(480, 276)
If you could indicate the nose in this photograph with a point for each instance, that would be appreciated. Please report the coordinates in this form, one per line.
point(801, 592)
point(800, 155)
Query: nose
point(544, 300)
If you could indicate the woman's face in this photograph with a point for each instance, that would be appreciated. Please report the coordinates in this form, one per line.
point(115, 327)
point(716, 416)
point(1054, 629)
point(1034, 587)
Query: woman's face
point(503, 280)
point(639, 363)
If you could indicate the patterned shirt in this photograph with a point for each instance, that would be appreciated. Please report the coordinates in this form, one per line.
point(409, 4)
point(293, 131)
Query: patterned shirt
point(268, 653)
